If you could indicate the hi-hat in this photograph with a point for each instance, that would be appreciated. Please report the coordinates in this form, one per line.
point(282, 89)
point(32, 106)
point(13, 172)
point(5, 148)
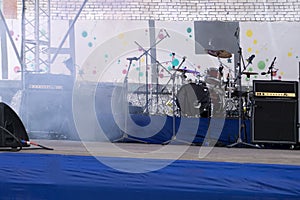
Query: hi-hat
point(249, 73)
point(219, 53)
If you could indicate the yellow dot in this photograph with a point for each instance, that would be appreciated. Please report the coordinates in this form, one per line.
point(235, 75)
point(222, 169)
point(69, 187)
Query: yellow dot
point(142, 59)
point(249, 49)
point(290, 54)
point(249, 33)
point(254, 41)
point(256, 51)
point(281, 73)
point(121, 36)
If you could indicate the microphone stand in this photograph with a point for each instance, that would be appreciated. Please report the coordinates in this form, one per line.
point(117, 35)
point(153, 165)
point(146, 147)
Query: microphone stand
point(270, 70)
point(125, 93)
point(239, 142)
point(126, 110)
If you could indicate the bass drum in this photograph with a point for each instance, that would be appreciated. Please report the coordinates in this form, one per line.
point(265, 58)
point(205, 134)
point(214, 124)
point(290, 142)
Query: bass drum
point(193, 100)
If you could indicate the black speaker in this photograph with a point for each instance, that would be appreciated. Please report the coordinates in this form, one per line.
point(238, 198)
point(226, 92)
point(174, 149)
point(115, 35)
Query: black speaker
point(275, 120)
point(12, 129)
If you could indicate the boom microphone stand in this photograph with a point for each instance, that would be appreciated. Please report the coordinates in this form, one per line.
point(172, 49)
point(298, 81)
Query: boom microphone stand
point(125, 86)
point(126, 110)
point(239, 141)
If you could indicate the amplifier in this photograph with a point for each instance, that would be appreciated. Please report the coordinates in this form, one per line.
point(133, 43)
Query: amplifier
point(275, 89)
point(275, 112)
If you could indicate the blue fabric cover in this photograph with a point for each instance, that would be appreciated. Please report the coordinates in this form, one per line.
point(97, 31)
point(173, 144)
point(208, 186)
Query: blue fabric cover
point(43, 176)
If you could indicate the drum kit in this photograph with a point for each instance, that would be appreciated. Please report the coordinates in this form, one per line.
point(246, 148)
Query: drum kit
point(214, 95)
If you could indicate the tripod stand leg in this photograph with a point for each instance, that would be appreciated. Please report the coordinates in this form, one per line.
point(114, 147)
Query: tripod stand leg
point(126, 137)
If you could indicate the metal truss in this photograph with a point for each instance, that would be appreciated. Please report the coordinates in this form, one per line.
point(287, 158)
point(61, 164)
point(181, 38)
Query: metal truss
point(36, 35)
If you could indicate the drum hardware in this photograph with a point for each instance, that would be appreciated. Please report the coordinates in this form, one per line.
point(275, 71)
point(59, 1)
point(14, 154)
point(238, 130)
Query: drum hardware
point(174, 99)
point(242, 125)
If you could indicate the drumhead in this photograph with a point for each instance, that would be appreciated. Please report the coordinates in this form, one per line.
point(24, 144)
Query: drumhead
point(193, 100)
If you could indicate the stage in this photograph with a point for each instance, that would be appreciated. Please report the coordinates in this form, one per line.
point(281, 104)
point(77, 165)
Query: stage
point(81, 170)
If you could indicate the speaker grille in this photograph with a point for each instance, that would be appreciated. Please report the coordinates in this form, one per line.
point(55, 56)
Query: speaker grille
point(275, 121)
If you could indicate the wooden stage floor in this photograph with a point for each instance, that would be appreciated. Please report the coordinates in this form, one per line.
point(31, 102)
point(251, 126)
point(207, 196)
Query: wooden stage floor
point(157, 151)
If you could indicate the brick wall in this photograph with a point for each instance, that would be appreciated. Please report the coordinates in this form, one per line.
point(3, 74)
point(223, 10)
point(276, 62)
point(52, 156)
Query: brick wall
point(178, 10)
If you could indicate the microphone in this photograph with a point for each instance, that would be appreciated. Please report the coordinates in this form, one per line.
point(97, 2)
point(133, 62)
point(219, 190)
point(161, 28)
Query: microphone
point(167, 33)
point(250, 59)
point(270, 68)
point(264, 73)
point(236, 33)
point(183, 58)
point(134, 58)
point(221, 70)
point(272, 63)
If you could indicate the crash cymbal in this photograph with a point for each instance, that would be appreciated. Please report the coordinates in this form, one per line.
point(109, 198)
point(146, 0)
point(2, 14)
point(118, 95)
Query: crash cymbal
point(219, 53)
point(187, 71)
point(248, 74)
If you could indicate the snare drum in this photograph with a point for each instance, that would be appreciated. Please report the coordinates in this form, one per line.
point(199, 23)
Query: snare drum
point(213, 76)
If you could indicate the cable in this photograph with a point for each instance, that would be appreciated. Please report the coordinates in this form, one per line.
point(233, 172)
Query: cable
point(11, 134)
point(35, 144)
point(24, 141)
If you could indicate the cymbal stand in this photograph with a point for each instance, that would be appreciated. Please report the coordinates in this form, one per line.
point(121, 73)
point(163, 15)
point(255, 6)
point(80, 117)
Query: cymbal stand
point(146, 52)
point(239, 142)
point(173, 77)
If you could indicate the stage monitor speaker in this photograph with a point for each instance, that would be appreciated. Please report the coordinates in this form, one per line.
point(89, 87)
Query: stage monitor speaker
point(275, 121)
point(12, 129)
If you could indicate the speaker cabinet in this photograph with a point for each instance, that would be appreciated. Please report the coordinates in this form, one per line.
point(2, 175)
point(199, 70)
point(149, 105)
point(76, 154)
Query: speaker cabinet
point(275, 120)
point(48, 113)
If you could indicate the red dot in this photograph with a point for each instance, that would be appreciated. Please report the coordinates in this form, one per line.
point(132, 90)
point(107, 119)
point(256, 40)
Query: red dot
point(160, 36)
point(17, 69)
point(94, 72)
point(161, 75)
point(124, 71)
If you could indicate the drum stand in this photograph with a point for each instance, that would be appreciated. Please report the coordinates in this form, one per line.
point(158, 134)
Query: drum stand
point(239, 142)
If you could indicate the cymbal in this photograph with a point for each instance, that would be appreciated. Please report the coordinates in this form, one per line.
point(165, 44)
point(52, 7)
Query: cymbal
point(187, 71)
point(249, 74)
point(219, 53)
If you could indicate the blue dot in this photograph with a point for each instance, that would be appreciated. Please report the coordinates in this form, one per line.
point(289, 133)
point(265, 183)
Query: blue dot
point(84, 34)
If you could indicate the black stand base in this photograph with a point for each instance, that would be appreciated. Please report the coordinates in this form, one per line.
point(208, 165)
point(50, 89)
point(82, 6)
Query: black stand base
point(240, 143)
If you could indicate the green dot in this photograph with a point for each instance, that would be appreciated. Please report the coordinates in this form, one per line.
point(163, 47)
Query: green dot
point(175, 62)
point(141, 74)
point(261, 65)
point(170, 68)
point(189, 30)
